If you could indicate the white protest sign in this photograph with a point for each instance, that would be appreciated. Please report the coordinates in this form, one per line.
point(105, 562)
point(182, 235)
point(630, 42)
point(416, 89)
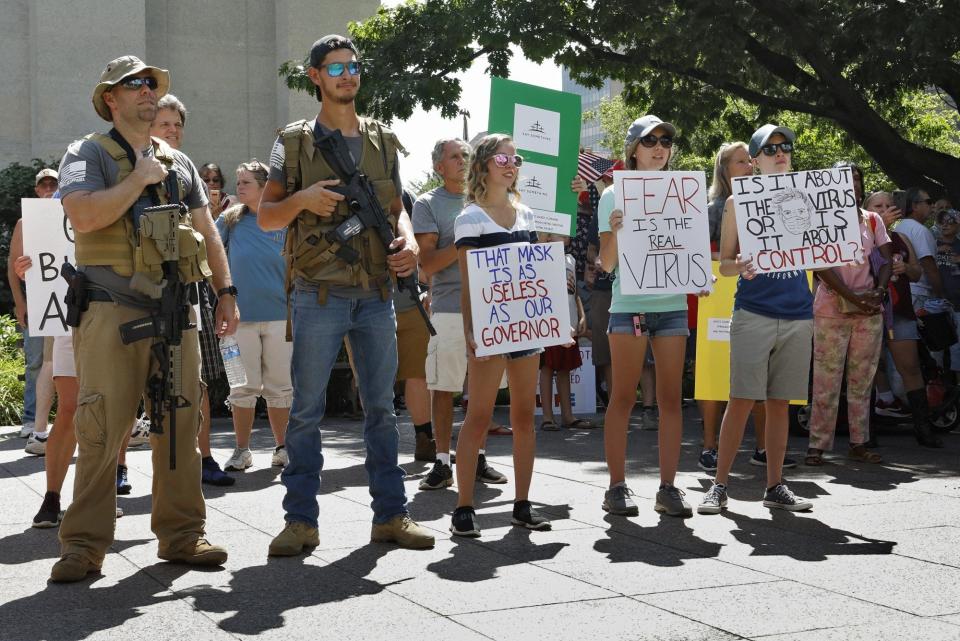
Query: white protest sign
point(48, 241)
point(536, 129)
point(800, 220)
point(664, 245)
point(583, 390)
point(518, 297)
point(538, 191)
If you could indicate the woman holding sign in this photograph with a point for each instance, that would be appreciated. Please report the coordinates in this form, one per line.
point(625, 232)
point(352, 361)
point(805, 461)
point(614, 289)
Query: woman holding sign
point(660, 319)
point(493, 216)
point(770, 342)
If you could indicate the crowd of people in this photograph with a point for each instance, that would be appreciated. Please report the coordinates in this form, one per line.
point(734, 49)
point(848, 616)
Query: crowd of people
point(284, 267)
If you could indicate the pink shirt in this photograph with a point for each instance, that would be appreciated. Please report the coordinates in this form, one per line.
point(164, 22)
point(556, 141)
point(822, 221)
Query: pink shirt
point(857, 276)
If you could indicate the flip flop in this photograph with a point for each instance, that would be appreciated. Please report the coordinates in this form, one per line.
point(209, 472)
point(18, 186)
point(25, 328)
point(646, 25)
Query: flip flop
point(580, 424)
point(549, 426)
point(501, 430)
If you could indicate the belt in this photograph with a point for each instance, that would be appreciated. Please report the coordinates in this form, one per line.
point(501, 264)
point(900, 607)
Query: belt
point(99, 296)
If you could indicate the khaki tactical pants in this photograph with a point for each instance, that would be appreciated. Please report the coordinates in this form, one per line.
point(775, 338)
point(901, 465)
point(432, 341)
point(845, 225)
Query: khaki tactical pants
point(112, 377)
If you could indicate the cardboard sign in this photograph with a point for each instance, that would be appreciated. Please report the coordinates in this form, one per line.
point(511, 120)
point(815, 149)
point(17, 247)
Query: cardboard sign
point(48, 241)
point(714, 313)
point(800, 220)
point(518, 297)
point(664, 244)
point(583, 390)
point(545, 127)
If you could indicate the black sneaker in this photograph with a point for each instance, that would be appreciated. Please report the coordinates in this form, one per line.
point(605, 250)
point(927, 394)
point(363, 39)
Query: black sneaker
point(779, 496)
point(465, 522)
point(759, 459)
point(525, 516)
point(49, 514)
point(486, 473)
point(123, 483)
point(211, 474)
point(440, 476)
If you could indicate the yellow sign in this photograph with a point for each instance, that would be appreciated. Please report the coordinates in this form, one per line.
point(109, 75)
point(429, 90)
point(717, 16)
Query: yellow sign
point(712, 375)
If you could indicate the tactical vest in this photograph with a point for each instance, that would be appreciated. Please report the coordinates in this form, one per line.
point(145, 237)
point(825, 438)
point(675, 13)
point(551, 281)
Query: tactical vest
point(309, 254)
point(119, 246)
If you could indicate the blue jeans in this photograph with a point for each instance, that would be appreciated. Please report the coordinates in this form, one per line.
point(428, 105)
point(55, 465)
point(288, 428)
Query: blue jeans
point(33, 357)
point(318, 332)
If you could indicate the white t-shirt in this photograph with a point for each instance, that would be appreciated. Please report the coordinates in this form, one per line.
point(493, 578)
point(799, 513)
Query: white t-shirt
point(924, 245)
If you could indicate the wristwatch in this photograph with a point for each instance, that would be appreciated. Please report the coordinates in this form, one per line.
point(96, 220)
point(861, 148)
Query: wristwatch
point(232, 290)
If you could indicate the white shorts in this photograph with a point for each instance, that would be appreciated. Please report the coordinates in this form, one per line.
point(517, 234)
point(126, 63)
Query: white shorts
point(63, 360)
point(265, 354)
point(447, 354)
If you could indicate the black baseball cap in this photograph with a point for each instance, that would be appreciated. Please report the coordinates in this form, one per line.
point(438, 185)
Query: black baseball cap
point(326, 44)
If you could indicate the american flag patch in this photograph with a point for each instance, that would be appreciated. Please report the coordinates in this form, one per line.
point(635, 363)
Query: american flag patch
point(73, 173)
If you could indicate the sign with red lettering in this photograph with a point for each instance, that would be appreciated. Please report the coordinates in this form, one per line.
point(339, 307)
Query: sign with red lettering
point(664, 244)
point(48, 241)
point(518, 297)
point(799, 220)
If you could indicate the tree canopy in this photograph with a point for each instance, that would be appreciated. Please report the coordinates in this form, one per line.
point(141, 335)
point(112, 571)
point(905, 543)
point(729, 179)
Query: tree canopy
point(860, 65)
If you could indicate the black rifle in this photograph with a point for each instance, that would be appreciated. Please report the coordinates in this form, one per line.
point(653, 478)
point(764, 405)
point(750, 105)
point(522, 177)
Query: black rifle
point(167, 323)
point(366, 213)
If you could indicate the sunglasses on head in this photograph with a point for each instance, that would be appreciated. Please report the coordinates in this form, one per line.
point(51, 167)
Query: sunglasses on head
point(771, 149)
point(137, 83)
point(502, 160)
point(650, 141)
point(335, 69)
point(929, 201)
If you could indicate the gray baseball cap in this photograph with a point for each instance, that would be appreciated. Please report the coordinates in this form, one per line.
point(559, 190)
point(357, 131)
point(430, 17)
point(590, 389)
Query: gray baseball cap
point(640, 128)
point(764, 133)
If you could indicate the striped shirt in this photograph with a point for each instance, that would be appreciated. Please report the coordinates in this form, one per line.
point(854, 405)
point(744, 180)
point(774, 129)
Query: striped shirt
point(474, 228)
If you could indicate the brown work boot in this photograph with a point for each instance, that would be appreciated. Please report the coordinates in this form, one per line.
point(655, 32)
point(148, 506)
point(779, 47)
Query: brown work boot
point(426, 448)
point(72, 568)
point(200, 552)
point(296, 536)
point(402, 530)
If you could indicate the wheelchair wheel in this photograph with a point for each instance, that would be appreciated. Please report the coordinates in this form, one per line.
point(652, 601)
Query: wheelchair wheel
point(947, 420)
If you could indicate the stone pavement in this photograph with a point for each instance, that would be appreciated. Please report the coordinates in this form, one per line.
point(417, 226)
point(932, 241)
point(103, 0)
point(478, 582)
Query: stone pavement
point(877, 559)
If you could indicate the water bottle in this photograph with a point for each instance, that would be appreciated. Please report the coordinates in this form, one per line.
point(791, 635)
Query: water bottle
point(230, 352)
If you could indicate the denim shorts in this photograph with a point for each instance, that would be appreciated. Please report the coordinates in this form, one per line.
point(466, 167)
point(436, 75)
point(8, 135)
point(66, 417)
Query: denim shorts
point(657, 323)
point(512, 356)
point(905, 329)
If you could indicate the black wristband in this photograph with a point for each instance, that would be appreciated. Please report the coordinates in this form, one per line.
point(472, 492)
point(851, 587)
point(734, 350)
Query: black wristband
point(232, 290)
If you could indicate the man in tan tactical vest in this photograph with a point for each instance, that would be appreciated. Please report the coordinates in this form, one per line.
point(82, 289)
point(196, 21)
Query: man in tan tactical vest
point(332, 298)
point(106, 180)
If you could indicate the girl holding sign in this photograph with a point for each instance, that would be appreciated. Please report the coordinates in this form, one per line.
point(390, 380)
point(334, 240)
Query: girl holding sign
point(770, 342)
point(660, 319)
point(493, 216)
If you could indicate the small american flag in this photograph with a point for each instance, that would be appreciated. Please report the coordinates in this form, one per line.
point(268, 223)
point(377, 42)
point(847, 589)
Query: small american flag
point(592, 166)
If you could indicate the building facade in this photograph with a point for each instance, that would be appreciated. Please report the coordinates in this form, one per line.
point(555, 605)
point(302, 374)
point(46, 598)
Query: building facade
point(590, 133)
point(223, 57)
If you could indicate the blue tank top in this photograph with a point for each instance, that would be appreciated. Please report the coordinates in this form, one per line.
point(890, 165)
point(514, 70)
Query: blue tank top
point(784, 295)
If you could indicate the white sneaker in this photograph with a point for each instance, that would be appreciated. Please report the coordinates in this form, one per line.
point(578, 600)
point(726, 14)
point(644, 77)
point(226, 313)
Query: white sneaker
point(26, 430)
point(280, 458)
point(241, 460)
point(36, 445)
point(141, 432)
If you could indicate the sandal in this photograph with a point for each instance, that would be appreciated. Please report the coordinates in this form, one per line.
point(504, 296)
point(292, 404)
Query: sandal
point(579, 424)
point(862, 454)
point(500, 430)
point(549, 426)
point(814, 458)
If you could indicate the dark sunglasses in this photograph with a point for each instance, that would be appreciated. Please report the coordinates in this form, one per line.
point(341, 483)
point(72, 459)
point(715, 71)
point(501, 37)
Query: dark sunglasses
point(929, 201)
point(335, 69)
point(650, 141)
point(502, 160)
point(137, 83)
point(771, 149)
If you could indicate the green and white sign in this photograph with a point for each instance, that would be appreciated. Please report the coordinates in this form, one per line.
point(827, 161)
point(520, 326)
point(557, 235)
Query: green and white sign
point(545, 126)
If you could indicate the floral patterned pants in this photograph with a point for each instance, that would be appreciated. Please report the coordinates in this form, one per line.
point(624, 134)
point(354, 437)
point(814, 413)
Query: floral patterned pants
point(856, 341)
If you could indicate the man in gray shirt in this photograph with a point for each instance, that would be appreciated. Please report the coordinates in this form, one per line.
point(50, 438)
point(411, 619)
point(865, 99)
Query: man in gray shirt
point(433, 219)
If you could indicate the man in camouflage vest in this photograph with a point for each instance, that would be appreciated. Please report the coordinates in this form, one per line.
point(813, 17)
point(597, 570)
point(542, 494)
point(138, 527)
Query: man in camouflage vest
point(331, 298)
point(105, 181)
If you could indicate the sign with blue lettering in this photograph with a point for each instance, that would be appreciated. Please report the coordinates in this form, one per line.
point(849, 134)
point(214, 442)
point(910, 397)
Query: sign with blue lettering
point(664, 244)
point(518, 297)
point(48, 241)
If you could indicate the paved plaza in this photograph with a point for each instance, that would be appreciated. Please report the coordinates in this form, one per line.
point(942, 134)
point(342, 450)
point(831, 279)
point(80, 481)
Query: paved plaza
point(877, 559)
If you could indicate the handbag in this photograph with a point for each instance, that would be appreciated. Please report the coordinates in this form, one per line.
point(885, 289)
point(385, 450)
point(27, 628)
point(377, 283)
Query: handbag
point(937, 330)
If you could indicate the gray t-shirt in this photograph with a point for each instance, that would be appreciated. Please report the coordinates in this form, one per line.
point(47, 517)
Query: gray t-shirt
point(924, 245)
point(435, 213)
point(86, 166)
